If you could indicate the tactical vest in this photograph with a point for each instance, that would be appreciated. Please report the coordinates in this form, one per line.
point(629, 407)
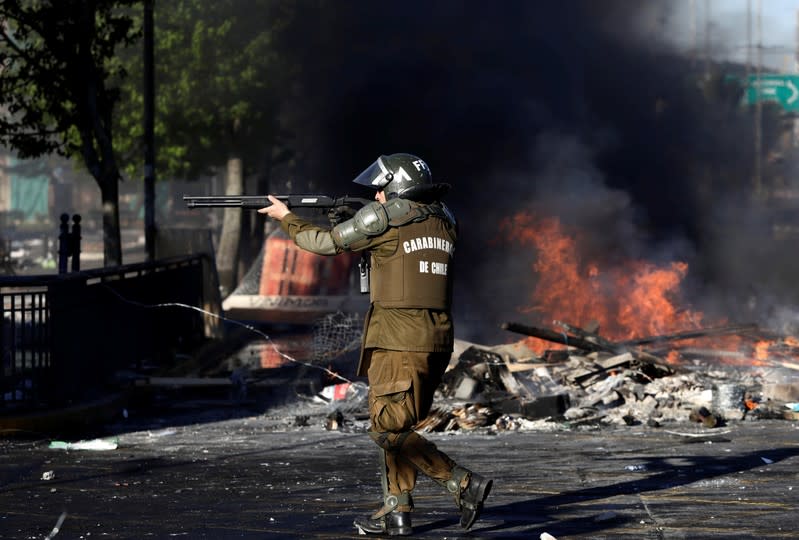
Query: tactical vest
point(418, 274)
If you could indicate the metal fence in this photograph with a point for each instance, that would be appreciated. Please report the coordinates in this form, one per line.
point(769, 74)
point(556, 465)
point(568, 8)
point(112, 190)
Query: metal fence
point(24, 342)
point(67, 338)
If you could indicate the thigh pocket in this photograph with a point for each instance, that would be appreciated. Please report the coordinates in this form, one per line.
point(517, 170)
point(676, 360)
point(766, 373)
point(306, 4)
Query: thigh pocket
point(392, 406)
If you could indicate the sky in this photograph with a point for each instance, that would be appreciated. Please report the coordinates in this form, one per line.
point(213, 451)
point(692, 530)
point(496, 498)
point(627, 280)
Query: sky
point(728, 29)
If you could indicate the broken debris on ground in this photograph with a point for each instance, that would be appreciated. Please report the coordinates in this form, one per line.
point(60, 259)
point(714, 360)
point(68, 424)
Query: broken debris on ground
point(584, 380)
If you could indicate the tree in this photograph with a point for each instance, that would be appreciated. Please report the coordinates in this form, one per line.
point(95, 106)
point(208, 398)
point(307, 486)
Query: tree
point(218, 93)
point(58, 64)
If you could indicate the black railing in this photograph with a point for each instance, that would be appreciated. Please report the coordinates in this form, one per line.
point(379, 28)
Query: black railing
point(65, 337)
point(24, 342)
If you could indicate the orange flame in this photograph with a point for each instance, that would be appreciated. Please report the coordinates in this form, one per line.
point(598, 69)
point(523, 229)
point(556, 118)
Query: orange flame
point(673, 357)
point(761, 349)
point(634, 300)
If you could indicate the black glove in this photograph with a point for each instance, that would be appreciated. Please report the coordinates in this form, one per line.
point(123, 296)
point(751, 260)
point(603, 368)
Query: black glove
point(339, 214)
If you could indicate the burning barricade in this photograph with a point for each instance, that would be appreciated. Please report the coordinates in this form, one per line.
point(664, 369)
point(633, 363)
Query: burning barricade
point(633, 372)
point(656, 360)
point(594, 381)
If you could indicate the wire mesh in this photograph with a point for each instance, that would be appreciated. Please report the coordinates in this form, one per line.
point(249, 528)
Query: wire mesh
point(335, 334)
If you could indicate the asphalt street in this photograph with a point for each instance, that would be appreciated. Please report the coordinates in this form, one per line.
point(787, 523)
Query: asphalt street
point(228, 473)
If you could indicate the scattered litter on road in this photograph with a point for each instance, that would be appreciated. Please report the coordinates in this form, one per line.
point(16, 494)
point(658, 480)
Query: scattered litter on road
point(161, 433)
point(57, 527)
point(96, 444)
point(351, 393)
point(682, 434)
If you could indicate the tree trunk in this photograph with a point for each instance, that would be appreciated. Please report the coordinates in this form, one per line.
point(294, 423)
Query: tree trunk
point(95, 107)
point(252, 241)
point(264, 187)
point(227, 254)
point(112, 244)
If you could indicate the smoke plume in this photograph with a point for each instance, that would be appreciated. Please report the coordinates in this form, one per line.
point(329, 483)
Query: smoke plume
point(582, 110)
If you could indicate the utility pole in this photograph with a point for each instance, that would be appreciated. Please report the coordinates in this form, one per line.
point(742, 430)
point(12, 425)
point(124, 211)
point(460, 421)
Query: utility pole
point(748, 40)
point(692, 27)
point(757, 187)
point(795, 140)
point(149, 129)
point(707, 39)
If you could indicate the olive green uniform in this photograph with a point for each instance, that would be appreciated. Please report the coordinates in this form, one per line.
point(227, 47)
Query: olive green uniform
point(407, 342)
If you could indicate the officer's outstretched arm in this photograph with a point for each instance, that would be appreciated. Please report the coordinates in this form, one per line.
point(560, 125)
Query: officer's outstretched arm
point(316, 241)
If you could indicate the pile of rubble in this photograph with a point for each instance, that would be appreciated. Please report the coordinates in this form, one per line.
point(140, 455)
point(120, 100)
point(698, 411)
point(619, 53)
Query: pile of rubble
point(595, 381)
point(586, 380)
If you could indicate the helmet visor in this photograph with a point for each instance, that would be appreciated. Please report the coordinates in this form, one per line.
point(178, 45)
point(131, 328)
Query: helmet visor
point(376, 176)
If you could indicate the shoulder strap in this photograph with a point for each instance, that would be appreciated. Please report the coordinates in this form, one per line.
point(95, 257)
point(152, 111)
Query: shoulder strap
point(402, 211)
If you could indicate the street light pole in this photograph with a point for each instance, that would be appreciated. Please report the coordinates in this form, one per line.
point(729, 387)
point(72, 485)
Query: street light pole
point(758, 176)
point(149, 129)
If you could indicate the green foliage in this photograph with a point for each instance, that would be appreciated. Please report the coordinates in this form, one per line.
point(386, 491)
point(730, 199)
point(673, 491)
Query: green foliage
point(216, 84)
point(56, 57)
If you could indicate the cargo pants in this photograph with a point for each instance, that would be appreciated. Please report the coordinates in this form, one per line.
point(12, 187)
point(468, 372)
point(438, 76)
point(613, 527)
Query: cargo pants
point(402, 385)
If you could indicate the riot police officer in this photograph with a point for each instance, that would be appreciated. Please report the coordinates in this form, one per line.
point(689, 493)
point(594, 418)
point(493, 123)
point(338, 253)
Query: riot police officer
point(410, 235)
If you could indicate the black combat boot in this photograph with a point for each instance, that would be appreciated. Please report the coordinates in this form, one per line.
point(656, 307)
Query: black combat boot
point(472, 498)
point(394, 523)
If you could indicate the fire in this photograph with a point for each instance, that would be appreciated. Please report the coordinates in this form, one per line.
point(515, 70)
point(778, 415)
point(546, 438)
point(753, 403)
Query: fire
point(791, 341)
point(673, 357)
point(636, 299)
point(762, 350)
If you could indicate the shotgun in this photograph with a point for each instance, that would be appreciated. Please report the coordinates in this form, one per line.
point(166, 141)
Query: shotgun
point(254, 202)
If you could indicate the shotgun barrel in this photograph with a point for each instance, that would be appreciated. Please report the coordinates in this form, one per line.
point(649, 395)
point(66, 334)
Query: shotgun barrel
point(254, 202)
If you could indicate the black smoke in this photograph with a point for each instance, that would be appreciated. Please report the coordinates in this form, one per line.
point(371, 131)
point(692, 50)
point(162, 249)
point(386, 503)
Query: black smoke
point(577, 109)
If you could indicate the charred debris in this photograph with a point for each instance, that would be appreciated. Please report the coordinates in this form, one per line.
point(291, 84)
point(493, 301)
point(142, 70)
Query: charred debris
point(590, 380)
point(708, 377)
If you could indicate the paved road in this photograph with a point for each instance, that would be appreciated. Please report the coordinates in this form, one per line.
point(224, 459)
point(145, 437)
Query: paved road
point(261, 476)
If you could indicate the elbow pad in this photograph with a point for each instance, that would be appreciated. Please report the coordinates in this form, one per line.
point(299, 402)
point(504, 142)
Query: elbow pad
point(370, 220)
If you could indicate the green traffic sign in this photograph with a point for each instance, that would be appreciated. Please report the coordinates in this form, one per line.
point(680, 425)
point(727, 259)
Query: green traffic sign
point(777, 88)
